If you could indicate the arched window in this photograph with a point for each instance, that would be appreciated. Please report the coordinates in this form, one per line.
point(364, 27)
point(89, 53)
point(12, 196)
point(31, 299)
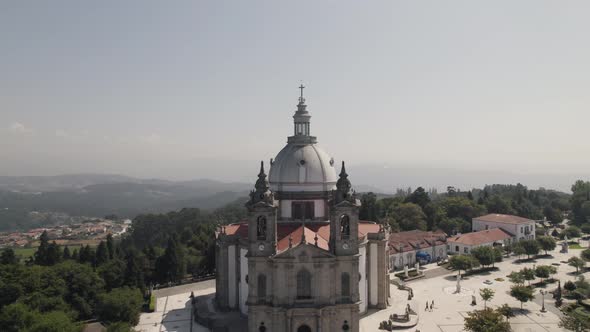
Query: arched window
point(304, 328)
point(345, 227)
point(345, 284)
point(304, 284)
point(261, 228)
point(261, 287)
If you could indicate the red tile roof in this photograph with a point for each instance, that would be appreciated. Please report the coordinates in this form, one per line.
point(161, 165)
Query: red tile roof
point(416, 239)
point(504, 218)
point(481, 237)
point(284, 230)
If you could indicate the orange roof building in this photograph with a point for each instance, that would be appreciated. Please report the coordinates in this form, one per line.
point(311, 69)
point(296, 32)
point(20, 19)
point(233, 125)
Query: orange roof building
point(464, 243)
point(520, 228)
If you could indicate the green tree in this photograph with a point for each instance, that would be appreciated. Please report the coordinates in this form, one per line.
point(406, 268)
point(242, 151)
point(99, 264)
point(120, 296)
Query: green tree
point(409, 216)
point(485, 255)
point(544, 271)
point(546, 243)
point(498, 254)
point(521, 293)
point(576, 262)
point(54, 254)
point(497, 204)
point(486, 320)
point(528, 274)
point(531, 247)
point(486, 295)
point(461, 207)
point(553, 215)
point(450, 226)
point(516, 277)
point(368, 210)
point(66, 254)
point(111, 246)
point(119, 327)
point(505, 311)
point(569, 286)
point(133, 272)
point(580, 195)
point(573, 321)
point(86, 255)
point(419, 197)
point(41, 253)
point(585, 255)
point(462, 262)
point(113, 273)
point(8, 257)
point(102, 253)
point(518, 250)
point(120, 305)
point(16, 317)
point(9, 292)
point(571, 232)
point(55, 321)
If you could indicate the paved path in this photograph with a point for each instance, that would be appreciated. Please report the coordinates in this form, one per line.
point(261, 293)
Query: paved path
point(184, 288)
point(173, 309)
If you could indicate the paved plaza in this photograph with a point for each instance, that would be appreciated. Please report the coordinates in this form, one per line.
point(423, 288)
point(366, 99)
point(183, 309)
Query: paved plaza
point(450, 309)
point(173, 308)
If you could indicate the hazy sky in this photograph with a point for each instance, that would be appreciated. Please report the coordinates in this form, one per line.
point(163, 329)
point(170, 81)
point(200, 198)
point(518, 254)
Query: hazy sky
point(192, 89)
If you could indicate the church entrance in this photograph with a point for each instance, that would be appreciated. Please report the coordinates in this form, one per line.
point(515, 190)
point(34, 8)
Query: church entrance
point(304, 328)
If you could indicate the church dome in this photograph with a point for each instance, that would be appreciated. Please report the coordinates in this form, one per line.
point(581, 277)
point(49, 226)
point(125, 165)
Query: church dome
point(302, 165)
point(302, 168)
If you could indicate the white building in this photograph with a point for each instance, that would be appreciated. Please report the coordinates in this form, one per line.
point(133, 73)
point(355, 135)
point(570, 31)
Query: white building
point(520, 228)
point(464, 243)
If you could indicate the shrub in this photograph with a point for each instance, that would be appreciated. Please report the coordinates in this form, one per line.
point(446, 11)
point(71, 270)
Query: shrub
point(152, 305)
point(120, 305)
point(569, 286)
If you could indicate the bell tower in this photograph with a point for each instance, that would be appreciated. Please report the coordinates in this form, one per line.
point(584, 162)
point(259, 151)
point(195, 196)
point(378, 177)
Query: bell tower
point(262, 218)
point(344, 212)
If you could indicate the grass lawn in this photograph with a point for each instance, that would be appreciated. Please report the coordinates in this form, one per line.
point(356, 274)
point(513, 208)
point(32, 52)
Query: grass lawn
point(575, 245)
point(25, 253)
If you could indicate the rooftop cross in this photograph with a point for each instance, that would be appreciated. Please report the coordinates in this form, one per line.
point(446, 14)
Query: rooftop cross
point(301, 87)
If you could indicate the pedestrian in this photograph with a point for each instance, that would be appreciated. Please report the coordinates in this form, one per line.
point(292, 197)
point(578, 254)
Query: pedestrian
point(432, 305)
point(426, 306)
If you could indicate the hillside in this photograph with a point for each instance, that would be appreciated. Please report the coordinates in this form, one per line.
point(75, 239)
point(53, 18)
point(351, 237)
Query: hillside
point(97, 196)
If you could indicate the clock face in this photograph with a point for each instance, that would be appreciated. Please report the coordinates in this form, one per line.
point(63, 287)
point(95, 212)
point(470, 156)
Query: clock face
point(345, 246)
point(261, 247)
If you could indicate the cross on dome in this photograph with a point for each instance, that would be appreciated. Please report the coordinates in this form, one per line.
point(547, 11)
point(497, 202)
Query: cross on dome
point(301, 99)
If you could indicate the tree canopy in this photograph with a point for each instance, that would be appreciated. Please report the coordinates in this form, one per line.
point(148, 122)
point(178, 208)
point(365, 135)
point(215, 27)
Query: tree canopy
point(486, 320)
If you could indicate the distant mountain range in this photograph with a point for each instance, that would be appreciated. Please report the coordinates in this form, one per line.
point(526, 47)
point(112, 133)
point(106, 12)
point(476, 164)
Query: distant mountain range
point(96, 195)
point(387, 179)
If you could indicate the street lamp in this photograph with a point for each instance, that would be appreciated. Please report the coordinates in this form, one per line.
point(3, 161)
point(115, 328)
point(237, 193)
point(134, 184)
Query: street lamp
point(543, 295)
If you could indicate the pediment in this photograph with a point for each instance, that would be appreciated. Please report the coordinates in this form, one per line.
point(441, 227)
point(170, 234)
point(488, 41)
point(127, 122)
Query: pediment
point(303, 252)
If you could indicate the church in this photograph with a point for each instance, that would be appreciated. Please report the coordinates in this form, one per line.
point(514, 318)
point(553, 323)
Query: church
point(302, 261)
